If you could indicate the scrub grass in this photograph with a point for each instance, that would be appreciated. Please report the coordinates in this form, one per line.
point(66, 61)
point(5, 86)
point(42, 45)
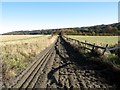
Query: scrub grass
point(18, 51)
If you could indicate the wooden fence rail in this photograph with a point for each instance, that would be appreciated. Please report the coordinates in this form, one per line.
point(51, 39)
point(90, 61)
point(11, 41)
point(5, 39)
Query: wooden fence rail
point(88, 45)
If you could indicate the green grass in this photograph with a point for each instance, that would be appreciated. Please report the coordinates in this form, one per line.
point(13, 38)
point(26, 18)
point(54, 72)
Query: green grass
point(98, 40)
point(102, 41)
point(114, 59)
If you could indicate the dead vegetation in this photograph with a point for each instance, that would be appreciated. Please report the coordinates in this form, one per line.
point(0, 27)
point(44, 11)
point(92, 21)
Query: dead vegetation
point(18, 54)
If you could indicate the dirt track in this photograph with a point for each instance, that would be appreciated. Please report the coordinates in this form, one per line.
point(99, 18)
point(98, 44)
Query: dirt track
point(63, 67)
point(66, 73)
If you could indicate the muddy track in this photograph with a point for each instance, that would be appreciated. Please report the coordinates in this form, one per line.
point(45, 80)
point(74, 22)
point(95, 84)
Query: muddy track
point(60, 66)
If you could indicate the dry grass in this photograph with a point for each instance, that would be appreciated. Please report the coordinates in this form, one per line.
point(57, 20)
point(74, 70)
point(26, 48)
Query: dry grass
point(8, 38)
point(17, 52)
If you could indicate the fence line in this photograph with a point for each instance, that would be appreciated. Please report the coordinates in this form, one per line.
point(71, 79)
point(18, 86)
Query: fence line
point(115, 48)
point(93, 46)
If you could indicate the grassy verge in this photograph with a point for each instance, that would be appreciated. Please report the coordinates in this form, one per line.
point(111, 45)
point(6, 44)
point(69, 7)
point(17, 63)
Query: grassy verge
point(113, 59)
point(102, 41)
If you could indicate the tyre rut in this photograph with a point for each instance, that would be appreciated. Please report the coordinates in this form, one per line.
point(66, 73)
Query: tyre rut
point(62, 67)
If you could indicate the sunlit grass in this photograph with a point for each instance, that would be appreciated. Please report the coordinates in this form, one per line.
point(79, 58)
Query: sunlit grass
point(9, 38)
point(98, 40)
point(18, 52)
point(102, 41)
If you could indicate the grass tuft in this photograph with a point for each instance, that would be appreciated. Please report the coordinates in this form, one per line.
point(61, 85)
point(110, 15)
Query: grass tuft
point(18, 52)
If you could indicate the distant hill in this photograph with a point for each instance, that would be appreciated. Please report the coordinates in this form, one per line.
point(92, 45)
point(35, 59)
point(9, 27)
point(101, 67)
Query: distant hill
point(33, 32)
point(110, 29)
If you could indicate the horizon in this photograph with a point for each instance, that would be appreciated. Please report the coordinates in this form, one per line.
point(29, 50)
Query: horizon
point(17, 16)
point(60, 28)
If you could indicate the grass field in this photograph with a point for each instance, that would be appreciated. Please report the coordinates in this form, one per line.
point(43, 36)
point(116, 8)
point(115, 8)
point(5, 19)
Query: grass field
point(17, 51)
point(98, 40)
point(9, 38)
point(101, 41)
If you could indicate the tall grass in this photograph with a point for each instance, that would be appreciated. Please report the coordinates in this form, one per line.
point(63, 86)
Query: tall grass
point(18, 54)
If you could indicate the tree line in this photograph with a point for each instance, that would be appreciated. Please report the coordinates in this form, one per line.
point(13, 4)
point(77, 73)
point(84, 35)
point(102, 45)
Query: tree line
point(100, 30)
point(103, 30)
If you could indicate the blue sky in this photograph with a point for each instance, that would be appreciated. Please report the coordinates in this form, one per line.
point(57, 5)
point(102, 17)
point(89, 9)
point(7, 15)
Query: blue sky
point(44, 15)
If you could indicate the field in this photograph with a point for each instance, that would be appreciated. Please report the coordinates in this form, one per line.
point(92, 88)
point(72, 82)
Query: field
point(18, 51)
point(8, 38)
point(98, 40)
point(102, 41)
point(55, 65)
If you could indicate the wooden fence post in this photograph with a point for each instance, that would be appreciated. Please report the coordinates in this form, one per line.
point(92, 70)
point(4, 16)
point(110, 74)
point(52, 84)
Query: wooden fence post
point(93, 47)
point(66, 39)
point(85, 44)
point(78, 42)
point(105, 49)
